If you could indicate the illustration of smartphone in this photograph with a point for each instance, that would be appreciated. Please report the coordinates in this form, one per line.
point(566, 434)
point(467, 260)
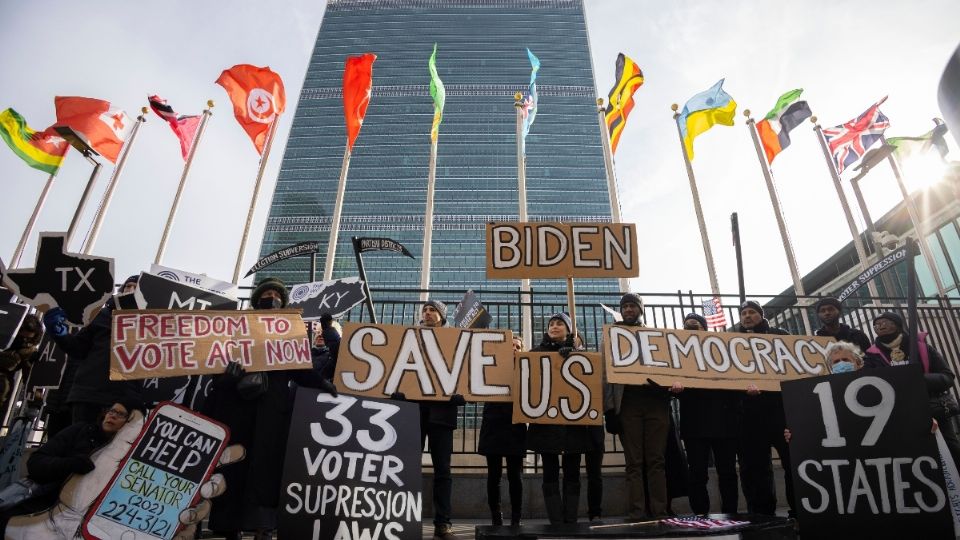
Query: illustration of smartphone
point(159, 478)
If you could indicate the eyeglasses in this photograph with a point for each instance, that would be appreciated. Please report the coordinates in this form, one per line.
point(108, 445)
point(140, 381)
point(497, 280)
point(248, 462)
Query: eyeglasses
point(118, 414)
point(881, 322)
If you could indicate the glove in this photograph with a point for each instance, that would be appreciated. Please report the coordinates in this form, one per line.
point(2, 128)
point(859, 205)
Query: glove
point(56, 321)
point(612, 420)
point(457, 400)
point(234, 370)
point(214, 487)
point(81, 465)
point(565, 351)
point(328, 387)
point(398, 396)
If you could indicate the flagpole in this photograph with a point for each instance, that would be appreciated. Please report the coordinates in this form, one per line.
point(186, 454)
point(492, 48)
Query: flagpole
point(183, 180)
point(94, 232)
point(428, 224)
point(781, 223)
point(526, 311)
point(707, 252)
point(335, 222)
point(611, 176)
point(32, 222)
point(253, 200)
point(83, 198)
point(857, 240)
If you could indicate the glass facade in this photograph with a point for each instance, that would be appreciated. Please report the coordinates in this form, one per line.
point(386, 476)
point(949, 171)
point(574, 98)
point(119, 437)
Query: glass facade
point(482, 61)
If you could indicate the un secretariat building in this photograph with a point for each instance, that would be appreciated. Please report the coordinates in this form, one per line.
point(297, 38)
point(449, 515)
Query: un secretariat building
point(482, 61)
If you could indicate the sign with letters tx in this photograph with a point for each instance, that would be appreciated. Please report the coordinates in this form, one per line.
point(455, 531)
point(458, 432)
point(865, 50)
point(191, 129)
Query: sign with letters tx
point(551, 389)
point(561, 250)
point(709, 359)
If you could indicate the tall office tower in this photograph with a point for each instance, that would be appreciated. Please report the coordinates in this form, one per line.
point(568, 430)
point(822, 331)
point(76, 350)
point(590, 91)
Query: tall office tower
point(482, 60)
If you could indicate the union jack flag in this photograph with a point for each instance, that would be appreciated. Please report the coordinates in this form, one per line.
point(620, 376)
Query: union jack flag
point(713, 313)
point(702, 522)
point(849, 141)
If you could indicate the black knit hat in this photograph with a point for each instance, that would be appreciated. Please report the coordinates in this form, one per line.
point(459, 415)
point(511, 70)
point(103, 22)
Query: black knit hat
point(752, 304)
point(895, 318)
point(699, 318)
point(829, 301)
point(132, 279)
point(439, 306)
point(631, 298)
point(270, 283)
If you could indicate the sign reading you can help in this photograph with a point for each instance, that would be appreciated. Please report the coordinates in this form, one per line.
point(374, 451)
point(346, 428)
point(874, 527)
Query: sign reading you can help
point(551, 389)
point(164, 343)
point(710, 359)
point(352, 470)
point(561, 250)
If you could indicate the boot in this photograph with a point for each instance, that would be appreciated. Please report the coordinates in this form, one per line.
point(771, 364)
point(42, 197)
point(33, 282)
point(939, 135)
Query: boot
point(571, 502)
point(553, 502)
point(496, 515)
point(515, 518)
point(443, 532)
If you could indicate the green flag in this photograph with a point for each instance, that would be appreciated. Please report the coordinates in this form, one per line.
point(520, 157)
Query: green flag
point(439, 94)
point(906, 147)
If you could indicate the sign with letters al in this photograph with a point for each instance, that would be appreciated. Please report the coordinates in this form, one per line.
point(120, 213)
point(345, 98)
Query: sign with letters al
point(47, 370)
point(865, 464)
point(551, 389)
point(164, 343)
point(334, 298)
point(378, 360)
point(561, 250)
point(352, 470)
point(698, 359)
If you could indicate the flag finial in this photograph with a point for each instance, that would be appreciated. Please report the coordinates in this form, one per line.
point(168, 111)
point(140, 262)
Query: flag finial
point(746, 112)
point(143, 110)
point(674, 107)
point(813, 120)
point(518, 96)
point(210, 103)
point(599, 102)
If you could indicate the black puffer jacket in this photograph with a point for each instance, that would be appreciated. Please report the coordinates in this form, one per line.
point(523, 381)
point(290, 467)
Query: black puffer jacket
point(936, 372)
point(763, 412)
point(710, 414)
point(850, 335)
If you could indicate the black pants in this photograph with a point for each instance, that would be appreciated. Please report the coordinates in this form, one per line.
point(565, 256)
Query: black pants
point(571, 468)
point(594, 483)
point(514, 480)
point(756, 470)
point(725, 460)
point(441, 450)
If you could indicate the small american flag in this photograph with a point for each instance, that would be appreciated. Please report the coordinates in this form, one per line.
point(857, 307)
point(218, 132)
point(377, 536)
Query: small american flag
point(699, 522)
point(713, 312)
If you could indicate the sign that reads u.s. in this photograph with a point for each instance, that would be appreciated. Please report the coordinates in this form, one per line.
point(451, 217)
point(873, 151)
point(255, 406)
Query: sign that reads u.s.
point(561, 250)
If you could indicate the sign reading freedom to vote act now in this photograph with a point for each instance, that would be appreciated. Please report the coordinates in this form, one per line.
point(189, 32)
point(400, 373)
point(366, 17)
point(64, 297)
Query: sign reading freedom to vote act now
point(165, 343)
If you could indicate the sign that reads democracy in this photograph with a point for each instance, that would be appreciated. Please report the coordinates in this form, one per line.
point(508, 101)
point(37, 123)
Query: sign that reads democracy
point(551, 389)
point(165, 343)
point(334, 298)
point(710, 359)
point(303, 248)
point(874, 271)
point(352, 470)
point(378, 360)
point(561, 250)
point(865, 464)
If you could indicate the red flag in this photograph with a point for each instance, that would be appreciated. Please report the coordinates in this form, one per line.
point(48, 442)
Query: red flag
point(184, 127)
point(357, 84)
point(99, 126)
point(258, 97)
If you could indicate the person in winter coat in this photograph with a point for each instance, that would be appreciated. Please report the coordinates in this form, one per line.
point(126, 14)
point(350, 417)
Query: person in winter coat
point(259, 420)
point(709, 423)
point(762, 428)
point(828, 311)
point(91, 388)
point(19, 356)
point(892, 348)
point(501, 439)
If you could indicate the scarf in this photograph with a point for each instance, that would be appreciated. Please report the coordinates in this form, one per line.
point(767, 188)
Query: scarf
point(897, 355)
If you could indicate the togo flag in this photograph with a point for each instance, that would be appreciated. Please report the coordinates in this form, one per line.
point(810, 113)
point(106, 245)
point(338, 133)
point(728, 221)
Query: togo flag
point(42, 150)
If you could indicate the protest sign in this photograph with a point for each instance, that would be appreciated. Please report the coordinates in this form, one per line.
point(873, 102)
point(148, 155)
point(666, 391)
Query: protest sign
point(377, 360)
point(561, 250)
point(551, 389)
point(362, 245)
point(352, 469)
point(165, 343)
point(303, 248)
point(699, 359)
point(864, 462)
point(334, 298)
point(79, 284)
point(156, 292)
point(875, 270)
point(471, 313)
point(200, 281)
point(11, 450)
point(11, 317)
point(47, 369)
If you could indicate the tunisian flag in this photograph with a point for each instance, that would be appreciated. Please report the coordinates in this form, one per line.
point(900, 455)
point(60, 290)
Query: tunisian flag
point(258, 97)
point(98, 125)
point(357, 84)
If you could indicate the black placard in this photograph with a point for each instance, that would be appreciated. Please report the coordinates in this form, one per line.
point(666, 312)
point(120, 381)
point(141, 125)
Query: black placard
point(47, 369)
point(334, 298)
point(155, 292)
point(303, 248)
point(352, 469)
point(865, 464)
point(11, 317)
point(471, 313)
point(365, 244)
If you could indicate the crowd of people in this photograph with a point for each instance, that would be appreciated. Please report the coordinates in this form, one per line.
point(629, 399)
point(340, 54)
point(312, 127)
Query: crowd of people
point(725, 427)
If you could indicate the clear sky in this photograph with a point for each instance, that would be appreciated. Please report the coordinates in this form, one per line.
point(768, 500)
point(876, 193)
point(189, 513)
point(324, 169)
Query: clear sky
point(845, 54)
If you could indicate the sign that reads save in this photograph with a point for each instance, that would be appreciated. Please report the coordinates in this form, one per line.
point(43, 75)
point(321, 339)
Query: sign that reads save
point(710, 359)
point(164, 343)
point(561, 250)
point(551, 389)
point(425, 363)
point(352, 470)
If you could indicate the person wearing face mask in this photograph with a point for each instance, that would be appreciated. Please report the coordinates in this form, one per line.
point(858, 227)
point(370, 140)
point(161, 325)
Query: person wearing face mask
point(19, 356)
point(829, 310)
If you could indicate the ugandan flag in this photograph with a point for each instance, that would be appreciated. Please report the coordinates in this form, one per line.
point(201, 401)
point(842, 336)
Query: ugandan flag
point(620, 102)
point(42, 150)
point(775, 127)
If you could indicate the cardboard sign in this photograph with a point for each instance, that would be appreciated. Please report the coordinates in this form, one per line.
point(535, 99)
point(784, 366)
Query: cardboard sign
point(303, 248)
point(471, 313)
point(165, 343)
point(710, 359)
point(378, 360)
point(561, 250)
point(199, 281)
point(865, 464)
point(47, 370)
point(551, 389)
point(79, 284)
point(11, 317)
point(362, 245)
point(156, 292)
point(352, 469)
point(334, 298)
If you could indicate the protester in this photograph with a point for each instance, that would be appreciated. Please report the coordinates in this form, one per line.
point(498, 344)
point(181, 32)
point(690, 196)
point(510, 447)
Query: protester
point(709, 423)
point(501, 439)
point(829, 310)
point(256, 407)
point(326, 347)
point(762, 428)
point(91, 388)
point(19, 356)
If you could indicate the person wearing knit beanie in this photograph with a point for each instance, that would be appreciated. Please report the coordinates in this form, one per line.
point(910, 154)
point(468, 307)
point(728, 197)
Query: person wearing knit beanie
point(270, 284)
point(439, 307)
point(694, 318)
point(828, 311)
point(565, 318)
point(752, 304)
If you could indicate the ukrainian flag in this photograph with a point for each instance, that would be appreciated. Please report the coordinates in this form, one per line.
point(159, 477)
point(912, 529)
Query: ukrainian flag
point(702, 111)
